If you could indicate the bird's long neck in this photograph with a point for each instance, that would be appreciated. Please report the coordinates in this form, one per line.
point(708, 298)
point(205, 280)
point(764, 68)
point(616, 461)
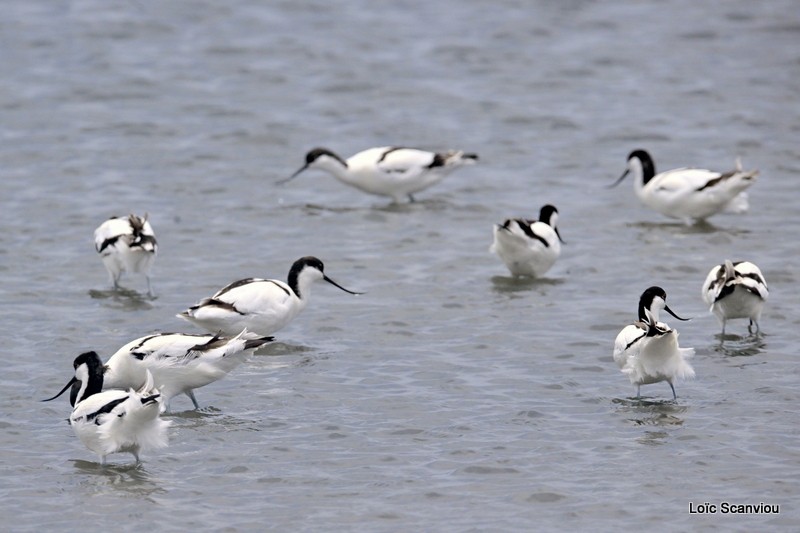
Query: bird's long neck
point(300, 282)
point(89, 383)
point(337, 168)
point(643, 172)
point(648, 315)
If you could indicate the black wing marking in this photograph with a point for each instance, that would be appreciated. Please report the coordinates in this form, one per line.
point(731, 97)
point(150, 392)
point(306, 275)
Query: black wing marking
point(214, 342)
point(213, 302)
point(107, 408)
point(389, 151)
point(247, 281)
point(715, 181)
point(525, 226)
point(108, 242)
point(637, 339)
point(229, 287)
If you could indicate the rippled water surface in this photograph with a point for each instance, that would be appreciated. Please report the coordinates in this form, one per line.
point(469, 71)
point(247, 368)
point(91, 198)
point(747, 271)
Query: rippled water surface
point(449, 397)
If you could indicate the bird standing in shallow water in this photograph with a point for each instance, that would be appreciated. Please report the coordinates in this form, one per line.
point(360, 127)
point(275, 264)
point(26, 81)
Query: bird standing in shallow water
point(647, 351)
point(736, 290)
point(178, 362)
point(388, 171)
point(261, 305)
point(689, 194)
point(528, 247)
point(126, 244)
point(114, 421)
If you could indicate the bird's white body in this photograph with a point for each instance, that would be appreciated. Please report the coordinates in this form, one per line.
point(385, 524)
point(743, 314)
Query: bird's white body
point(647, 360)
point(117, 421)
point(735, 290)
point(260, 305)
point(263, 306)
point(179, 362)
point(647, 351)
point(113, 421)
point(527, 247)
point(389, 171)
point(690, 194)
point(126, 244)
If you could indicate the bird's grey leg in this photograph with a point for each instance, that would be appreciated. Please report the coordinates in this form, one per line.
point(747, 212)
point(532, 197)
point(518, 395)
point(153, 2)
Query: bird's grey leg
point(674, 396)
point(190, 394)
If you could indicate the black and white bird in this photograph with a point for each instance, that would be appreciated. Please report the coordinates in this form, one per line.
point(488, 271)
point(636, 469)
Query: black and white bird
point(736, 290)
point(114, 421)
point(688, 194)
point(126, 244)
point(528, 247)
point(178, 362)
point(647, 351)
point(390, 171)
point(263, 306)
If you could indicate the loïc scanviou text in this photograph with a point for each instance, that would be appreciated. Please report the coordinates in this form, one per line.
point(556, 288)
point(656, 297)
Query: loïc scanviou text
point(733, 508)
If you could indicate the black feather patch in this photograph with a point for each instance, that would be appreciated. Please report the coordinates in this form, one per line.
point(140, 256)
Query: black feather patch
point(438, 161)
point(212, 302)
point(525, 226)
point(715, 181)
point(297, 267)
point(108, 242)
point(389, 151)
point(255, 343)
point(648, 167)
point(107, 408)
point(634, 341)
point(142, 355)
point(235, 284)
point(214, 342)
point(726, 290)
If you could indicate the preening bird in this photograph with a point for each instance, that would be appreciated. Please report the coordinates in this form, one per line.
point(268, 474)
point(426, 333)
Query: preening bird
point(736, 290)
point(179, 362)
point(647, 351)
point(528, 247)
point(126, 244)
point(114, 421)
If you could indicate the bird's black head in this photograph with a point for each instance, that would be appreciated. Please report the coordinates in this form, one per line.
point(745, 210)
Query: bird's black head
point(549, 215)
point(647, 308)
point(311, 158)
point(648, 167)
point(316, 153)
point(547, 212)
point(90, 359)
point(308, 261)
point(651, 294)
point(641, 154)
point(93, 376)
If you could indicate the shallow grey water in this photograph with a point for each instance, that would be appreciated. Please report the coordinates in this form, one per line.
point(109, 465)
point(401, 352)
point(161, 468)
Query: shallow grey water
point(449, 397)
